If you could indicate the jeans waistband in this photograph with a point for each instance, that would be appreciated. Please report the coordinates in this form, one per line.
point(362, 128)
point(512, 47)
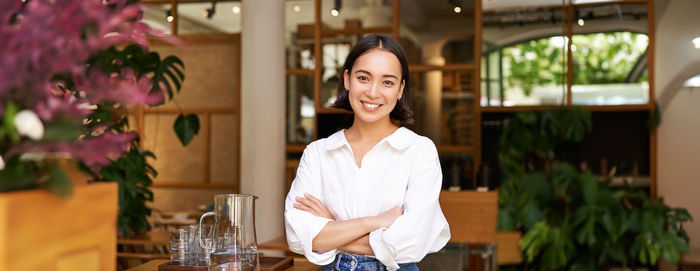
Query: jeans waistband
point(358, 258)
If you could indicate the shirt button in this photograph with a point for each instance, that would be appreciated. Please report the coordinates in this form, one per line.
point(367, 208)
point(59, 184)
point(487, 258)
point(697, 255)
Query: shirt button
point(352, 262)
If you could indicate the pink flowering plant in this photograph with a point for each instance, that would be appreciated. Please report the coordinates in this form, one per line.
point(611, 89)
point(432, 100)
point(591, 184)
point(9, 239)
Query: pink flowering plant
point(68, 70)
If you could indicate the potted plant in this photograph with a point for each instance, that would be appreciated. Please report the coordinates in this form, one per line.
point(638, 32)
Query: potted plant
point(570, 218)
point(67, 74)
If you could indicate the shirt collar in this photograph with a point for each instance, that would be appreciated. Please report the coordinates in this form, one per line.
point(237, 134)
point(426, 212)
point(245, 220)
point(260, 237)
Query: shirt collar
point(399, 140)
point(336, 140)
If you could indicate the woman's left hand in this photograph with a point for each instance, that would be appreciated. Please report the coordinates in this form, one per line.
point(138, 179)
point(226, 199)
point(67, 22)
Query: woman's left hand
point(312, 205)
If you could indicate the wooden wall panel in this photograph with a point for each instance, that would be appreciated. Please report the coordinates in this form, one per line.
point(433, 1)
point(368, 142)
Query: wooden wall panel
point(210, 75)
point(177, 199)
point(224, 165)
point(174, 162)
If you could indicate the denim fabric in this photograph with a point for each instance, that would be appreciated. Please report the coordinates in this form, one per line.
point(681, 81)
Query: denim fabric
point(351, 262)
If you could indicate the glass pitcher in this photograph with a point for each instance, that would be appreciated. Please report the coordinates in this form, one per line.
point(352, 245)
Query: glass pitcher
point(234, 245)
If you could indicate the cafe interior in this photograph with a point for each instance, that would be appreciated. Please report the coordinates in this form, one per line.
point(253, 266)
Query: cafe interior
point(566, 129)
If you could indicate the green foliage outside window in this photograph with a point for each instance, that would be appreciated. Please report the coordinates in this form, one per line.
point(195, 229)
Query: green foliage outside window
point(598, 58)
point(534, 63)
point(605, 58)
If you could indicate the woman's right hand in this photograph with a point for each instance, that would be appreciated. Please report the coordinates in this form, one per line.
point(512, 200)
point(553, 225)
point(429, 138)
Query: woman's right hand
point(387, 218)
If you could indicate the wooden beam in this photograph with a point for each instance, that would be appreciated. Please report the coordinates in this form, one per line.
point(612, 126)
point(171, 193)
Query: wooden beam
point(318, 57)
point(594, 108)
point(176, 17)
point(299, 72)
point(207, 147)
point(355, 31)
point(295, 148)
point(653, 147)
point(326, 110)
point(448, 67)
point(476, 85)
point(395, 24)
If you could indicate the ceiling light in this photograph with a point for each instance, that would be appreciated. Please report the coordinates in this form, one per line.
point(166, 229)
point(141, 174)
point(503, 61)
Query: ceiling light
point(693, 82)
point(696, 42)
point(338, 4)
point(209, 13)
point(236, 10)
point(169, 16)
point(456, 5)
point(297, 8)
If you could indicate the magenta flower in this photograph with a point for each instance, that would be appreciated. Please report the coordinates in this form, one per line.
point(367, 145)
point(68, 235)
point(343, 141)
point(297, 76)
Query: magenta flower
point(46, 43)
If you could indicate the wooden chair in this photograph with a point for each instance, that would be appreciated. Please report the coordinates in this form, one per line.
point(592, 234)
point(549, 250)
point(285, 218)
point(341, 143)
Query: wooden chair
point(690, 261)
point(139, 249)
point(472, 217)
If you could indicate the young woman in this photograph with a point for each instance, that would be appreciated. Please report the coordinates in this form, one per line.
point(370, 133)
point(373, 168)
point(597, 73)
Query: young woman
point(366, 198)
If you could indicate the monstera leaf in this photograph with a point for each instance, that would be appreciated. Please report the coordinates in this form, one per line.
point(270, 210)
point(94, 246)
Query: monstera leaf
point(186, 126)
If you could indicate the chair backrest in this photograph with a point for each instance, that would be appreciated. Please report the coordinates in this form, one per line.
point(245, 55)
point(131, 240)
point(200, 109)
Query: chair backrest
point(472, 215)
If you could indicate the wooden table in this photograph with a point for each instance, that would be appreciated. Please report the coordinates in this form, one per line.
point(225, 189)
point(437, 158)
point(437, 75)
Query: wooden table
point(300, 264)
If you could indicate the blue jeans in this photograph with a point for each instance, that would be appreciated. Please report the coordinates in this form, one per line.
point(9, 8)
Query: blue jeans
point(351, 262)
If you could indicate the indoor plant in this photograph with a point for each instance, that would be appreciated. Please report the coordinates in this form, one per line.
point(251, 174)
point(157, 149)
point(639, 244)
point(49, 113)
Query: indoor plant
point(570, 218)
point(67, 74)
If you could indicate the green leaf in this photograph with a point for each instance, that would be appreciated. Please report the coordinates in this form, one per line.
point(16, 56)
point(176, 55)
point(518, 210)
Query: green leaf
point(62, 130)
point(616, 252)
point(530, 214)
point(98, 117)
point(11, 110)
point(17, 176)
point(186, 126)
point(506, 219)
point(59, 184)
point(534, 240)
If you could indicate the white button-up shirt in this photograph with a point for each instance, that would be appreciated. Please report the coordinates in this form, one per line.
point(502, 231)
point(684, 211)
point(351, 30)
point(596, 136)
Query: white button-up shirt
point(403, 170)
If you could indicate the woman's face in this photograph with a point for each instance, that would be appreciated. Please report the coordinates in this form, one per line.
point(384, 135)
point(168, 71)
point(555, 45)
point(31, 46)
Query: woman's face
point(374, 85)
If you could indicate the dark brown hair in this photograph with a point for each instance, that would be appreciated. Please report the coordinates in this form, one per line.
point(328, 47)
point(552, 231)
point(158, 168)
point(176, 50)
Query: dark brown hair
point(401, 112)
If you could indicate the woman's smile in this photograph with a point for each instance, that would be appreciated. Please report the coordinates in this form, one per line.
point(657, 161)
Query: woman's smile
point(371, 107)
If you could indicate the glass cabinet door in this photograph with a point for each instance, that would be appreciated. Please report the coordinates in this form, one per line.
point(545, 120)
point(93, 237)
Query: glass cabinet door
point(300, 111)
point(523, 58)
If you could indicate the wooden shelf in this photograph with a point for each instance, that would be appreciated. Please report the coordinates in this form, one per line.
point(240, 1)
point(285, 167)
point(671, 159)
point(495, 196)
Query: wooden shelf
point(326, 110)
point(627, 107)
point(295, 148)
point(455, 149)
point(299, 72)
point(448, 67)
point(593, 108)
point(355, 31)
point(508, 109)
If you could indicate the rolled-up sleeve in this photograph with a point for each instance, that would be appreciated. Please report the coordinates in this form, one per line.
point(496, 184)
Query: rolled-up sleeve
point(301, 226)
point(422, 228)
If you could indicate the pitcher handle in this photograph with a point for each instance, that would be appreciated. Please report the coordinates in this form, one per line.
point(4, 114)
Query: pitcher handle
point(201, 219)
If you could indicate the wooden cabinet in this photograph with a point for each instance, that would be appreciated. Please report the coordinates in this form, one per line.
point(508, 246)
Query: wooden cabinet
point(440, 44)
point(461, 84)
point(597, 55)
